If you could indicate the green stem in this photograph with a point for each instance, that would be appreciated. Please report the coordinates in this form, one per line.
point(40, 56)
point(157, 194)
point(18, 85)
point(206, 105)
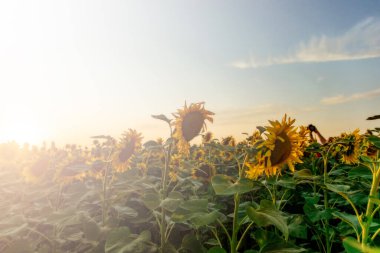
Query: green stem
point(369, 212)
point(235, 225)
point(326, 202)
point(243, 235)
point(165, 175)
point(225, 230)
point(217, 237)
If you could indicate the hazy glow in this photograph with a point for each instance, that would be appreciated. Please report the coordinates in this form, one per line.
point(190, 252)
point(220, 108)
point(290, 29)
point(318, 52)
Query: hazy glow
point(22, 126)
point(73, 69)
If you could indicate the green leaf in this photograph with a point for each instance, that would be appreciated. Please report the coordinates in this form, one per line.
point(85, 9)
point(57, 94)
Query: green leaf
point(297, 227)
point(360, 171)
point(375, 140)
point(287, 183)
point(203, 219)
point(191, 243)
point(125, 211)
point(304, 174)
point(350, 219)
point(281, 247)
point(216, 250)
point(120, 240)
point(172, 201)
point(151, 200)
point(315, 214)
point(351, 245)
point(161, 117)
point(195, 205)
point(338, 188)
point(266, 215)
point(116, 239)
point(91, 229)
point(225, 185)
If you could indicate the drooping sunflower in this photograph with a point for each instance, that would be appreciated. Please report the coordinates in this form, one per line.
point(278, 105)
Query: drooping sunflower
point(188, 123)
point(282, 146)
point(350, 151)
point(126, 149)
point(369, 150)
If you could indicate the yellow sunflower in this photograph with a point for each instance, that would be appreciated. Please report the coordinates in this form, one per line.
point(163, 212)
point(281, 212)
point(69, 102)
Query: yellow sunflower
point(126, 149)
point(304, 134)
point(199, 155)
point(368, 149)
point(204, 172)
point(75, 170)
point(36, 171)
point(229, 141)
point(188, 123)
point(282, 146)
point(207, 137)
point(350, 151)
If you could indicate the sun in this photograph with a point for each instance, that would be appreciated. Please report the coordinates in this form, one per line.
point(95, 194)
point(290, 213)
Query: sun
point(22, 129)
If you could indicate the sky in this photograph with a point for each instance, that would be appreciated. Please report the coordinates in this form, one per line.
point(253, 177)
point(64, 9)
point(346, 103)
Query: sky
point(73, 69)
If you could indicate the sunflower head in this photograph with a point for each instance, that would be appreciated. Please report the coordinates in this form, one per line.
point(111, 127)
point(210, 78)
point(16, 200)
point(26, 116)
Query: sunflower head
point(350, 150)
point(188, 123)
point(36, 171)
point(207, 137)
point(369, 150)
point(75, 170)
point(229, 141)
point(204, 172)
point(282, 146)
point(227, 155)
point(199, 154)
point(126, 149)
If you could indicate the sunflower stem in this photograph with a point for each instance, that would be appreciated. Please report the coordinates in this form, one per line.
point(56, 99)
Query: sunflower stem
point(165, 175)
point(235, 225)
point(104, 204)
point(326, 201)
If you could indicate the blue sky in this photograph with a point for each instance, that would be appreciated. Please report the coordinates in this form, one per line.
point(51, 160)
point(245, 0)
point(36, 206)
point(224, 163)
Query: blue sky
point(73, 69)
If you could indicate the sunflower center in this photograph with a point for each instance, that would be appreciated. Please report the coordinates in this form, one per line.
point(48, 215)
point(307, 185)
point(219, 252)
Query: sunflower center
point(282, 149)
point(192, 125)
point(350, 149)
point(127, 152)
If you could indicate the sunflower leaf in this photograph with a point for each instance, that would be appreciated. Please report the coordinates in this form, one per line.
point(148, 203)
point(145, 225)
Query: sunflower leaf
point(224, 185)
point(162, 117)
point(267, 214)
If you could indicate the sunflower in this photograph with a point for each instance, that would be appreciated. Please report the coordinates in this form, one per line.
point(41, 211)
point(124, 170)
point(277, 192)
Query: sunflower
point(126, 149)
point(188, 123)
point(282, 146)
point(204, 172)
point(207, 137)
point(350, 151)
point(36, 171)
point(229, 141)
point(368, 149)
point(198, 154)
point(304, 134)
point(75, 170)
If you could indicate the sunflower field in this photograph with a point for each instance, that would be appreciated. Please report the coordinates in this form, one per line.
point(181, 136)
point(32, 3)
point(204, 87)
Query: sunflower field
point(278, 190)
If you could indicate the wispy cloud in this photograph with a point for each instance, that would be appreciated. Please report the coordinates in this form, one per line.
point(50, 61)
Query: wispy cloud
point(362, 41)
point(340, 99)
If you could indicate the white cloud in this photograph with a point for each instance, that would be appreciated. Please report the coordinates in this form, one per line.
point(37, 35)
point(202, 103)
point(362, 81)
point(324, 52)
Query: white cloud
point(362, 41)
point(340, 99)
